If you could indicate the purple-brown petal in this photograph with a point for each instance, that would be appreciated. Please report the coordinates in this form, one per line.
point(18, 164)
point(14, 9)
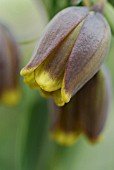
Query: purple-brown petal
point(56, 31)
point(87, 55)
point(65, 127)
point(94, 103)
point(66, 117)
point(9, 67)
point(10, 52)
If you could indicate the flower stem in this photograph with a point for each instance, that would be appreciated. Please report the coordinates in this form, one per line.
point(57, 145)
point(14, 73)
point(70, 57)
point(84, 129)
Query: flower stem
point(109, 14)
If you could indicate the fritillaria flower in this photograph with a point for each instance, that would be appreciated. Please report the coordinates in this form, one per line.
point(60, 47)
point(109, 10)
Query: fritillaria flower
point(9, 67)
point(86, 112)
point(68, 54)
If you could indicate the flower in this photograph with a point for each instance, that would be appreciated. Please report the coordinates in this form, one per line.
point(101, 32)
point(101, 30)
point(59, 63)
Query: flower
point(85, 113)
point(69, 53)
point(9, 67)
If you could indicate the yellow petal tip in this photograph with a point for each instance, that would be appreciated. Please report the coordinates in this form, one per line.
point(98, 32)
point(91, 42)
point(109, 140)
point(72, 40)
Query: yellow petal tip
point(11, 97)
point(45, 81)
point(65, 96)
point(99, 139)
point(57, 98)
point(25, 71)
point(60, 104)
point(29, 79)
point(63, 138)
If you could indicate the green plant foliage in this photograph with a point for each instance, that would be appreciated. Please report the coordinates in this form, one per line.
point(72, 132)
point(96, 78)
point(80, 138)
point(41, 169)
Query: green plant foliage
point(112, 2)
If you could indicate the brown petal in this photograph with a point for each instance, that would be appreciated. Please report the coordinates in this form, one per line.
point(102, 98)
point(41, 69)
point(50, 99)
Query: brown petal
point(86, 112)
point(87, 55)
point(59, 28)
point(9, 67)
point(3, 65)
point(94, 100)
point(11, 54)
point(50, 73)
point(65, 127)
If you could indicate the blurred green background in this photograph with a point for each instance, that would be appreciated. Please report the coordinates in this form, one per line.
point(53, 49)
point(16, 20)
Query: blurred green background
point(24, 140)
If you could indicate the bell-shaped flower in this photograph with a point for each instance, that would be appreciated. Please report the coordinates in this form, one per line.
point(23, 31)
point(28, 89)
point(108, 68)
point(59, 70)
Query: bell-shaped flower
point(9, 67)
point(69, 53)
point(86, 112)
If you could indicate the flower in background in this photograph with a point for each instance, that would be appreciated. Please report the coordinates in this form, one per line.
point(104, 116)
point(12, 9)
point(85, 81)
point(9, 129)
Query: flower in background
point(9, 67)
point(69, 53)
point(86, 112)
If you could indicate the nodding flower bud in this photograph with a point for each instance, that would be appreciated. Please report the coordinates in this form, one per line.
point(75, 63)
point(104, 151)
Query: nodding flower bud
point(9, 67)
point(86, 113)
point(69, 53)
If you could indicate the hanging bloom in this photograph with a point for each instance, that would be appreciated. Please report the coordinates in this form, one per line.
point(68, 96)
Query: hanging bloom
point(69, 53)
point(85, 113)
point(9, 67)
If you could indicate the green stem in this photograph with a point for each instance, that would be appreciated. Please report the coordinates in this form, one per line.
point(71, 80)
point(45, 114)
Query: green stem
point(109, 14)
